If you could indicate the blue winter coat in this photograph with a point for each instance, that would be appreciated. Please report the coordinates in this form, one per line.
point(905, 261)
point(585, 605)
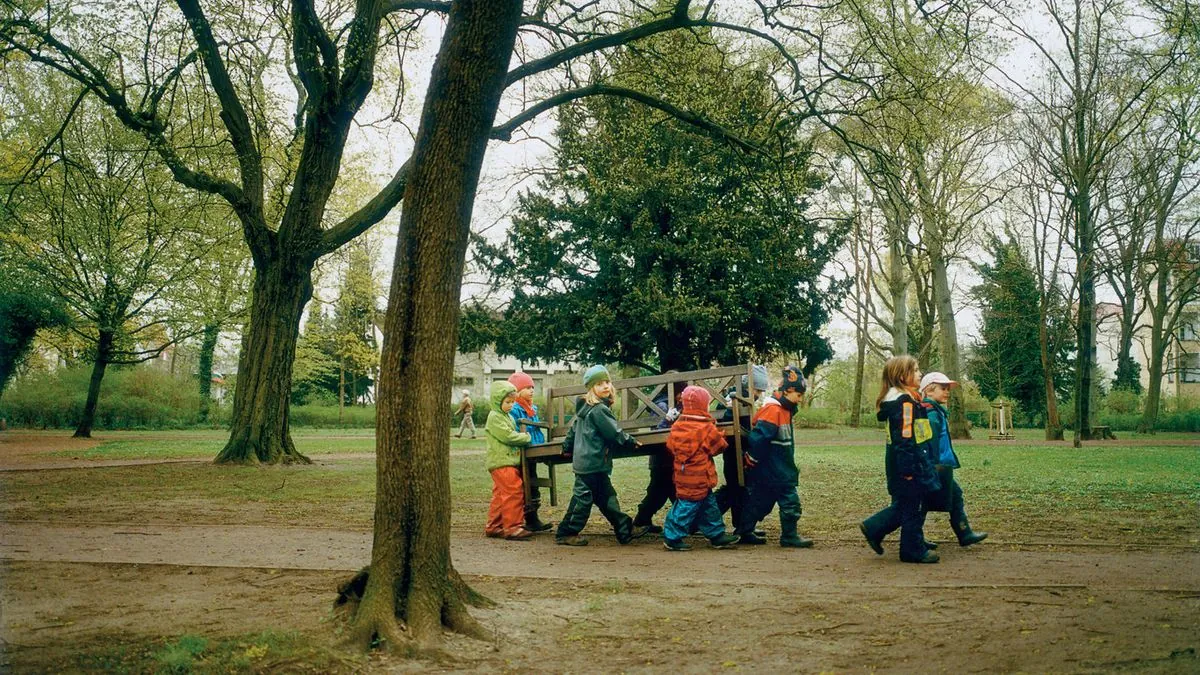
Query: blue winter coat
point(536, 433)
point(942, 450)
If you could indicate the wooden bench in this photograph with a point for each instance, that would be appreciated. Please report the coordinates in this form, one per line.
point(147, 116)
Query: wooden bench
point(637, 414)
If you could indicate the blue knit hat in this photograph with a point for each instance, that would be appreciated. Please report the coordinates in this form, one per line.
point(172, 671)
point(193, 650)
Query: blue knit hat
point(595, 374)
point(793, 380)
point(761, 381)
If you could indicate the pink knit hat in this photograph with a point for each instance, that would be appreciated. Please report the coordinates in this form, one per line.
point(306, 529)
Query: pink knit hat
point(520, 380)
point(695, 399)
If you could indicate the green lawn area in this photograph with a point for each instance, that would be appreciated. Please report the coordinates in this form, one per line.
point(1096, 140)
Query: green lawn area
point(1138, 490)
point(207, 443)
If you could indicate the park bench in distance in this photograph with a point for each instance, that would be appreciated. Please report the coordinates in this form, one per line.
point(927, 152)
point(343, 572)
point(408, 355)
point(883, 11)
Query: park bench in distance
point(638, 416)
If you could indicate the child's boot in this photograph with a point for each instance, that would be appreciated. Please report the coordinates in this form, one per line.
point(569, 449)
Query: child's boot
point(724, 540)
point(967, 536)
point(533, 523)
point(676, 545)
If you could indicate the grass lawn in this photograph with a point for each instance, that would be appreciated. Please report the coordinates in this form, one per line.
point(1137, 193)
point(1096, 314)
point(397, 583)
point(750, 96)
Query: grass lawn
point(1138, 490)
point(207, 443)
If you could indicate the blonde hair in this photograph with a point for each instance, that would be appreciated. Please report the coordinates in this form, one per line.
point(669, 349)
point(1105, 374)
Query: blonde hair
point(895, 374)
point(591, 398)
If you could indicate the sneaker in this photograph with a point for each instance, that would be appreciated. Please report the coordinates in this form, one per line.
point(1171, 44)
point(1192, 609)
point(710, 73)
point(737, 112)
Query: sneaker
point(518, 534)
point(676, 545)
point(752, 539)
point(724, 540)
point(795, 541)
point(931, 545)
point(651, 528)
point(573, 540)
point(875, 544)
point(929, 558)
point(640, 531)
point(497, 534)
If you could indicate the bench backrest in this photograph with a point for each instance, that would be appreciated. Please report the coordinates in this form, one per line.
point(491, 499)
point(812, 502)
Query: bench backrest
point(635, 406)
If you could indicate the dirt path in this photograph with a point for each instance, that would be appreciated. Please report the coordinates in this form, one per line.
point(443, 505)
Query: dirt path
point(635, 608)
point(827, 566)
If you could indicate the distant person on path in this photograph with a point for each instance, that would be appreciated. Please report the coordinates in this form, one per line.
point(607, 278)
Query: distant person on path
point(506, 515)
point(693, 442)
point(589, 442)
point(910, 473)
point(771, 474)
point(936, 389)
point(466, 408)
point(526, 411)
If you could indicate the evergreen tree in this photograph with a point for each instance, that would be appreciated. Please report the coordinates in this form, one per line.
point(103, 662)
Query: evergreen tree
point(651, 245)
point(1005, 362)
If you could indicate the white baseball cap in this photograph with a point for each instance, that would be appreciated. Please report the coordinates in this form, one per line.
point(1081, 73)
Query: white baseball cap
point(937, 378)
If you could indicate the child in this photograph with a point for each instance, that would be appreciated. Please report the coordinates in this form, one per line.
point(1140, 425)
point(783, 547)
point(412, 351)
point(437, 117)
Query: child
point(693, 441)
point(771, 476)
point(936, 388)
point(506, 514)
point(661, 487)
point(732, 495)
point(910, 474)
point(588, 442)
point(523, 411)
point(466, 409)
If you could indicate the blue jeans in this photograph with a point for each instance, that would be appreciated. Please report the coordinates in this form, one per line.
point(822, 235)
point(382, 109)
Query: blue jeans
point(704, 513)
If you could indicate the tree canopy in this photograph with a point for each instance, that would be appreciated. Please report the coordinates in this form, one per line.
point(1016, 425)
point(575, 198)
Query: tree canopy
point(648, 244)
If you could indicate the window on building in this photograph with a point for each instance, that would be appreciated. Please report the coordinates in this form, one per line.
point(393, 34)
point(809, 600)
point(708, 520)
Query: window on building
point(1189, 327)
point(1189, 368)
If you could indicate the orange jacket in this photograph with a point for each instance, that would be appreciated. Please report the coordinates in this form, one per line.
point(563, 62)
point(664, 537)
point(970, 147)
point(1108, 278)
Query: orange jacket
point(693, 441)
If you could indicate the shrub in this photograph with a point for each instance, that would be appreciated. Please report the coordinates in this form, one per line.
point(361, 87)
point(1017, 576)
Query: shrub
point(137, 397)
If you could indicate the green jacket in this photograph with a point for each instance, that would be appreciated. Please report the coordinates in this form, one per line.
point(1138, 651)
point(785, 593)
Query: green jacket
point(592, 437)
point(504, 442)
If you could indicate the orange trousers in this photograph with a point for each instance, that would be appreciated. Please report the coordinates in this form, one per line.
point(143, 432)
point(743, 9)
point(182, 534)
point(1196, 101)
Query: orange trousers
point(507, 512)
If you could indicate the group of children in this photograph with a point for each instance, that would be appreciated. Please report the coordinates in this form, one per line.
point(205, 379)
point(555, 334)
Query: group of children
point(919, 463)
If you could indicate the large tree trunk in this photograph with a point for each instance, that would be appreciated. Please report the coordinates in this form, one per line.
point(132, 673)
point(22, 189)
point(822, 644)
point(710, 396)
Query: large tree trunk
point(208, 345)
point(104, 348)
point(411, 577)
point(948, 330)
point(1086, 320)
point(259, 431)
point(1054, 430)
point(1159, 340)
point(898, 285)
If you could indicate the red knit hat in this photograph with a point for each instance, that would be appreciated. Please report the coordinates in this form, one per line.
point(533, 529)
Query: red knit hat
point(695, 399)
point(520, 380)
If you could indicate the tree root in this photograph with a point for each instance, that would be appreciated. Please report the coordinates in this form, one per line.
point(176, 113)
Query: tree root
point(376, 626)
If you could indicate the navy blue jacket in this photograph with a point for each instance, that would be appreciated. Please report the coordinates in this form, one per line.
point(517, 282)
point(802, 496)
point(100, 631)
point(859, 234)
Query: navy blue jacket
point(909, 468)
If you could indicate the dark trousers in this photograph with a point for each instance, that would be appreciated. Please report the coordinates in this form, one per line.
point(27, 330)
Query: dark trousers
point(951, 500)
point(761, 498)
point(535, 495)
point(731, 496)
point(660, 489)
point(594, 488)
point(906, 514)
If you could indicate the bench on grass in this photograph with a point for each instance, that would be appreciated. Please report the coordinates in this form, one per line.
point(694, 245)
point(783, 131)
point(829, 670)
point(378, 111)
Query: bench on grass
point(638, 415)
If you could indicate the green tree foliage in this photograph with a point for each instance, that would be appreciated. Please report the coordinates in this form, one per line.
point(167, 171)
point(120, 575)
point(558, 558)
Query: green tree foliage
point(651, 245)
point(25, 307)
point(1005, 363)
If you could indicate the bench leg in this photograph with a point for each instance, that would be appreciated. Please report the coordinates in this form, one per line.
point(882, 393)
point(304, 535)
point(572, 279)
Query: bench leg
point(553, 486)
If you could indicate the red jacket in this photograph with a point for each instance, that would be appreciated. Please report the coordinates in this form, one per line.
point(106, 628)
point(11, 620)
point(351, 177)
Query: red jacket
point(693, 441)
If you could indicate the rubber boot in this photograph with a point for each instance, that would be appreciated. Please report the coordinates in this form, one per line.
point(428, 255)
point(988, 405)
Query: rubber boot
point(966, 536)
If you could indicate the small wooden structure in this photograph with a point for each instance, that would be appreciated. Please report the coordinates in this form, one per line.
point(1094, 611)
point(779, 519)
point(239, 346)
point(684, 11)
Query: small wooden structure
point(1000, 422)
point(638, 416)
